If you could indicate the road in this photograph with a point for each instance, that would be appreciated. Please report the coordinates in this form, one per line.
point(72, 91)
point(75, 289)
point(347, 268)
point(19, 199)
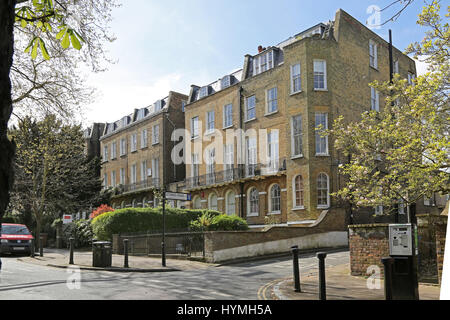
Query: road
point(242, 281)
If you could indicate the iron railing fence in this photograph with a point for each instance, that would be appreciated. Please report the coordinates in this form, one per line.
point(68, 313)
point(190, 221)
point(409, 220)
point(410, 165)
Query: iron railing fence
point(185, 243)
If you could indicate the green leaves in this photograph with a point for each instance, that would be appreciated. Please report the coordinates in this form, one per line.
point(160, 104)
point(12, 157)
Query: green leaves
point(35, 44)
point(69, 35)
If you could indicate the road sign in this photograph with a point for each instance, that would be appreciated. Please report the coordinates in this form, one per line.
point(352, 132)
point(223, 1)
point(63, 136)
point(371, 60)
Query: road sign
point(178, 196)
point(67, 218)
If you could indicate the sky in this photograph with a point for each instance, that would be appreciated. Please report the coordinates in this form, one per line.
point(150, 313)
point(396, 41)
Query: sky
point(173, 44)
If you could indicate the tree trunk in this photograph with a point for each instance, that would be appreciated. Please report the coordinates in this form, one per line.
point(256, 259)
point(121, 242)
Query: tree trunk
point(7, 148)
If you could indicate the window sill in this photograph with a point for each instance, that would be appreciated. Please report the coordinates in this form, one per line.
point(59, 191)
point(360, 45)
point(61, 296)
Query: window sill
point(209, 133)
point(194, 138)
point(321, 90)
point(133, 151)
point(322, 155)
point(295, 93)
point(298, 208)
point(253, 215)
point(323, 207)
point(144, 148)
point(374, 68)
point(225, 128)
point(249, 120)
point(300, 156)
point(274, 213)
point(154, 144)
point(270, 113)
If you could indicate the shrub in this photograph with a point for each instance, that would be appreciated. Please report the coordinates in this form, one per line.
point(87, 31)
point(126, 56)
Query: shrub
point(104, 208)
point(81, 231)
point(221, 222)
point(134, 220)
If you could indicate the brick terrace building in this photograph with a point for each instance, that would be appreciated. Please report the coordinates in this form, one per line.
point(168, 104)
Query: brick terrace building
point(135, 152)
point(289, 90)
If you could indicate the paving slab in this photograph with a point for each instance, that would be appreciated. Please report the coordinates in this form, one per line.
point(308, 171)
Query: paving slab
point(340, 285)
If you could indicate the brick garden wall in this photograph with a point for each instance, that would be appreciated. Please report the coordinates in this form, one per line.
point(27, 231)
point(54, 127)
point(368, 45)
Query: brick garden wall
point(368, 245)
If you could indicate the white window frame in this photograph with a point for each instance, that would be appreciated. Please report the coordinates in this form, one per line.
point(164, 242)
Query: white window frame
point(230, 195)
point(155, 168)
point(122, 176)
point(195, 129)
point(211, 166)
point(144, 139)
point(133, 174)
point(320, 73)
point(318, 136)
point(296, 206)
point(113, 178)
point(251, 213)
point(253, 97)
point(210, 121)
point(251, 155)
point(294, 77)
point(105, 181)
point(202, 93)
point(105, 154)
point(144, 170)
point(373, 54)
point(197, 205)
point(123, 147)
point(273, 150)
point(294, 136)
point(271, 100)
point(228, 116)
point(229, 161)
point(323, 206)
point(210, 207)
point(374, 100)
point(258, 62)
point(133, 139)
point(155, 134)
point(114, 150)
point(271, 204)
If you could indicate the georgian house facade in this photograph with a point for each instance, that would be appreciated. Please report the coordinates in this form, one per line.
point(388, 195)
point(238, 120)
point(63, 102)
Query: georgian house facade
point(135, 161)
point(255, 147)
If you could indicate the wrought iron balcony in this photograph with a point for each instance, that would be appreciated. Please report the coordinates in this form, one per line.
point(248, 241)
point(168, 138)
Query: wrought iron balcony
point(145, 184)
point(234, 174)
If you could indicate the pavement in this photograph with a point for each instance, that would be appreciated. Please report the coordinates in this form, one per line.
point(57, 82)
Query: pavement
point(59, 258)
point(340, 285)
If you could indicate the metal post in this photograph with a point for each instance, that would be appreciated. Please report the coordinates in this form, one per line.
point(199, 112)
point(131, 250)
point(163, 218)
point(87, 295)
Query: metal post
point(163, 243)
point(322, 284)
point(71, 242)
point(125, 249)
point(296, 270)
point(41, 249)
point(32, 248)
point(387, 262)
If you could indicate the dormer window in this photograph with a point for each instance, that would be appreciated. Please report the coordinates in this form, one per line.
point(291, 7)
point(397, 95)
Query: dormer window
point(124, 121)
point(158, 105)
point(203, 92)
point(225, 82)
point(141, 114)
point(263, 62)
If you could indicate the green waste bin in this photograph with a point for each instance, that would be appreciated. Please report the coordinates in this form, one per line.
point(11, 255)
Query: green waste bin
point(101, 254)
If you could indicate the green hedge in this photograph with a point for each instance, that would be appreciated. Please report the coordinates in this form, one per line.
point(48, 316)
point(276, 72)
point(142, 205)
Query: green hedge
point(134, 220)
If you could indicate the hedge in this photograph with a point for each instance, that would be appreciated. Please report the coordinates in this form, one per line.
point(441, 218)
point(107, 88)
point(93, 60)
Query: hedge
point(135, 220)
point(219, 222)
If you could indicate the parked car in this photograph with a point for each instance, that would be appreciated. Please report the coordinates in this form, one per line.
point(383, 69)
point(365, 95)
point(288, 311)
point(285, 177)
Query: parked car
point(15, 238)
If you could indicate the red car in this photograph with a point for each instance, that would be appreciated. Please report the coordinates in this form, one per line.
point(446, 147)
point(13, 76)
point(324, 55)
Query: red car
point(15, 238)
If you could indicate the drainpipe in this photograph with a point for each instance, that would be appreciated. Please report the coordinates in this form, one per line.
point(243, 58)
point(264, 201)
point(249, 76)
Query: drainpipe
point(241, 166)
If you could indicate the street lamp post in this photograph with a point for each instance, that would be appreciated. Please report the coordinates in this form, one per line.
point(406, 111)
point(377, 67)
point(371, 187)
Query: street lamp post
point(163, 243)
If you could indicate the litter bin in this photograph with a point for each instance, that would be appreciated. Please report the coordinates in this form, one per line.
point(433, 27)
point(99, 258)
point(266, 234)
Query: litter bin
point(101, 254)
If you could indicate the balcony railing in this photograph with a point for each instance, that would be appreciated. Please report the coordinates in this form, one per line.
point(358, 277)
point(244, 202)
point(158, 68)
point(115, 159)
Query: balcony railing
point(145, 184)
point(233, 174)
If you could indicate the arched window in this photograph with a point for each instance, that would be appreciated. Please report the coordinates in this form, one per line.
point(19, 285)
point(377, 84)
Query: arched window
point(275, 199)
point(197, 202)
point(252, 202)
point(323, 191)
point(298, 192)
point(212, 202)
point(230, 203)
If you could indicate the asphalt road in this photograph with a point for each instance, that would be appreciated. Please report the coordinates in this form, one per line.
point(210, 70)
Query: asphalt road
point(242, 281)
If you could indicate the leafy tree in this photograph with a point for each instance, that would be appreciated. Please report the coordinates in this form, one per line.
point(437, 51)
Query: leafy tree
point(401, 154)
point(53, 175)
point(51, 25)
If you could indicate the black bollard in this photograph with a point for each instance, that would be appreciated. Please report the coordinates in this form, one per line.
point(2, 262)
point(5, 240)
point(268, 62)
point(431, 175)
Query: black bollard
point(387, 262)
point(296, 270)
point(32, 248)
point(71, 243)
point(322, 283)
point(41, 247)
point(125, 252)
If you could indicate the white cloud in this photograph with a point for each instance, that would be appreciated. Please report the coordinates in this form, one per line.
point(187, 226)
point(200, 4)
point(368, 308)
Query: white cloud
point(421, 67)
